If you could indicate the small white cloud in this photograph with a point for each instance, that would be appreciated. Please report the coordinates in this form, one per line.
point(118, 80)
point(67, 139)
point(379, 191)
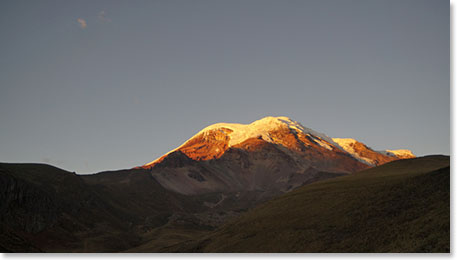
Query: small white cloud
point(102, 17)
point(82, 23)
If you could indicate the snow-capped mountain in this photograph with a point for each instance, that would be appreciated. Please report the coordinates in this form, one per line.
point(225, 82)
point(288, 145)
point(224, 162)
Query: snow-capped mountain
point(368, 156)
point(271, 154)
point(221, 136)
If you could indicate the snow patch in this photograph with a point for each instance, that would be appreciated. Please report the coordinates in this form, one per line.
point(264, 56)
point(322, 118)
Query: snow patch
point(348, 145)
point(321, 143)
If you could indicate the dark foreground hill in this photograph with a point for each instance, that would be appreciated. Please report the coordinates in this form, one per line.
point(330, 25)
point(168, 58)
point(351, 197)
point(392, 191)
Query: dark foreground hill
point(402, 206)
point(47, 209)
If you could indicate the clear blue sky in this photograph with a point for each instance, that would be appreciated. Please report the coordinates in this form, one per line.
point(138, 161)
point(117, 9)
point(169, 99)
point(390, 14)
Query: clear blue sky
point(98, 85)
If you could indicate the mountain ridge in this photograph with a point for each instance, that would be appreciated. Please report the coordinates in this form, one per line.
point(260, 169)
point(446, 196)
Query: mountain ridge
point(222, 136)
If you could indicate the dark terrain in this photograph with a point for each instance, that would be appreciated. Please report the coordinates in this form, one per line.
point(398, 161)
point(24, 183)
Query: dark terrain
point(402, 206)
point(48, 209)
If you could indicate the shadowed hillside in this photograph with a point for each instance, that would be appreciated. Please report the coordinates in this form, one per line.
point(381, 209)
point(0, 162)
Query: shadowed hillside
point(48, 209)
point(402, 206)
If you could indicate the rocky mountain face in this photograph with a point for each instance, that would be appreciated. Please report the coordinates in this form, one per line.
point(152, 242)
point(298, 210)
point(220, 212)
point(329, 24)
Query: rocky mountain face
point(274, 155)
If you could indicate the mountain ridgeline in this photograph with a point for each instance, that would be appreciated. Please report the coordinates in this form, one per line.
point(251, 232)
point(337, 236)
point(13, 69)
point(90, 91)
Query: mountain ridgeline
point(195, 197)
point(274, 154)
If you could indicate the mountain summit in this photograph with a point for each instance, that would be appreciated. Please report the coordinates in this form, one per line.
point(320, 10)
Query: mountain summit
point(273, 153)
point(214, 140)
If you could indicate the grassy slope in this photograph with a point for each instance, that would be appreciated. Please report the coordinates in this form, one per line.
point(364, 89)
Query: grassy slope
point(398, 207)
point(403, 206)
point(54, 210)
point(48, 209)
point(45, 208)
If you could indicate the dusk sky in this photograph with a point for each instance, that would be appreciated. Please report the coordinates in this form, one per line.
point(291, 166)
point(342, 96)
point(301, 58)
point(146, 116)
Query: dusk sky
point(97, 85)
